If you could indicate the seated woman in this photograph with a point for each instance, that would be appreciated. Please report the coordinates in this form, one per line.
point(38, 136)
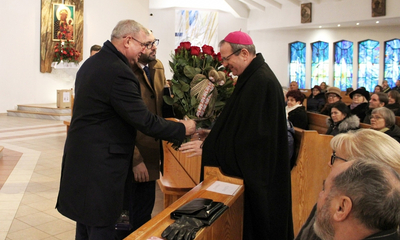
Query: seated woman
point(354, 145)
point(383, 120)
point(316, 100)
point(378, 88)
point(332, 95)
point(341, 120)
point(359, 104)
point(394, 101)
point(296, 113)
point(324, 87)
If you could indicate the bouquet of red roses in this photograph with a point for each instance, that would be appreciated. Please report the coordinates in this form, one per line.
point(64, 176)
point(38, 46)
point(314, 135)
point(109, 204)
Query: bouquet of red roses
point(65, 52)
point(200, 84)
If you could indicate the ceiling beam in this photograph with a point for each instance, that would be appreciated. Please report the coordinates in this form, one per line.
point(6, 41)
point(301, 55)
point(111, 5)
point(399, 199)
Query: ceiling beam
point(296, 2)
point(274, 3)
point(254, 4)
point(240, 9)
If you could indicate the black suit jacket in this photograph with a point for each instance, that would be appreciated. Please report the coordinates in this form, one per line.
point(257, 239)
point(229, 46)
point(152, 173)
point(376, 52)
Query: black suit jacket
point(98, 152)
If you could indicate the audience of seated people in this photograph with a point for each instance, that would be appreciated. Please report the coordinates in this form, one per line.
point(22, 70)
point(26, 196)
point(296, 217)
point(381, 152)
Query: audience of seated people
point(378, 99)
point(360, 144)
point(295, 112)
point(384, 120)
point(359, 104)
point(341, 120)
point(385, 86)
point(316, 100)
point(394, 102)
point(332, 95)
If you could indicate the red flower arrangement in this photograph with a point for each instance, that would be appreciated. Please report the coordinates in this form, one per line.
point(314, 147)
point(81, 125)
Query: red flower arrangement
point(65, 52)
point(200, 84)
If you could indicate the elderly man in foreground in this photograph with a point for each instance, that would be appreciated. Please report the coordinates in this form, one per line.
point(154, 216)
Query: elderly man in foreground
point(360, 200)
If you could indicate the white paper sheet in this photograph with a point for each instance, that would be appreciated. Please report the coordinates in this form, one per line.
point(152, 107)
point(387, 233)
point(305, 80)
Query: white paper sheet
point(223, 188)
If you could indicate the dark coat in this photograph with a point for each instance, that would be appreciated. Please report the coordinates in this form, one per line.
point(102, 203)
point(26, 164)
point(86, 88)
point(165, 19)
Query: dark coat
point(350, 123)
point(316, 103)
point(395, 107)
point(249, 140)
point(394, 132)
point(367, 116)
point(385, 235)
point(147, 148)
point(298, 117)
point(360, 110)
point(98, 151)
point(307, 230)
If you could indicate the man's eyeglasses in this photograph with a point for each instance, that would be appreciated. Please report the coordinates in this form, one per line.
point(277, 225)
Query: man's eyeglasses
point(146, 45)
point(154, 43)
point(333, 158)
point(225, 59)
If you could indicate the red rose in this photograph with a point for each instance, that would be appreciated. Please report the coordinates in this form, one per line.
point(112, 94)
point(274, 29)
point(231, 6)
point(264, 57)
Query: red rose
point(194, 50)
point(218, 57)
point(207, 49)
point(178, 50)
point(186, 45)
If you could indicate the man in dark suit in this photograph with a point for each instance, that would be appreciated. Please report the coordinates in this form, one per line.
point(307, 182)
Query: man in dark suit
point(147, 154)
point(108, 109)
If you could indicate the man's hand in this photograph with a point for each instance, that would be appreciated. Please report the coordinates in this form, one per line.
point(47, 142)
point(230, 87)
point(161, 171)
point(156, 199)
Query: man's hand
point(140, 173)
point(193, 147)
point(190, 126)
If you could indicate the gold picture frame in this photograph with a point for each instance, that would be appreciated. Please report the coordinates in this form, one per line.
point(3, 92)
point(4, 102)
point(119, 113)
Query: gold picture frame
point(378, 8)
point(306, 12)
point(63, 25)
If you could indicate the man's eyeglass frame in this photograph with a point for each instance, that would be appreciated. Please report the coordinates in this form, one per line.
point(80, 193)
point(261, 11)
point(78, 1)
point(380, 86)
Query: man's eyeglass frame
point(146, 45)
point(225, 59)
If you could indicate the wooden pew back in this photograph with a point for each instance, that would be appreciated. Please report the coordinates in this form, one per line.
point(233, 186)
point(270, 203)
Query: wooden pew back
point(313, 153)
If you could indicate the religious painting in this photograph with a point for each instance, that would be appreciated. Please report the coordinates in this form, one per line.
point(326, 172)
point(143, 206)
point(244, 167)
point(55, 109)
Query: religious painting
point(63, 22)
point(196, 27)
point(378, 8)
point(305, 12)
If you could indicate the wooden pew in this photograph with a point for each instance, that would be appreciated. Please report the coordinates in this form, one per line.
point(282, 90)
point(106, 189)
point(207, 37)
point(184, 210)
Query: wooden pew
point(313, 153)
point(228, 226)
point(181, 174)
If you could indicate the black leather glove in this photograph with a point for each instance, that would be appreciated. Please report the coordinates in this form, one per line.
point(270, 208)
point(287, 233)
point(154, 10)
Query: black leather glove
point(184, 228)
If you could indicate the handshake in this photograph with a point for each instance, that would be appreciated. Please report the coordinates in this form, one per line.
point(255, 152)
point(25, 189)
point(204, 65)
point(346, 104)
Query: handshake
point(190, 126)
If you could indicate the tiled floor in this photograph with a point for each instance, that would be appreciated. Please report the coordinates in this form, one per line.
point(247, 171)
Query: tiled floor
point(29, 180)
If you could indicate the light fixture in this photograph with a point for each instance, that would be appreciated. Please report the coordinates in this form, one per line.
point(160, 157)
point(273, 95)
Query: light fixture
point(338, 25)
point(357, 24)
point(377, 21)
point(320, 26)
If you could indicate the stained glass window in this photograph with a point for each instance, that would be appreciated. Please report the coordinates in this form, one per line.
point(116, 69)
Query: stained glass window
point(297, 65)
point(368, 64)
point(319, 62)
point(343, 65)
point(392, 61)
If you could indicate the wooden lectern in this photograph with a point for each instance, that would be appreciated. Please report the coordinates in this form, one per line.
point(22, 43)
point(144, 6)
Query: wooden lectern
point(229, 226)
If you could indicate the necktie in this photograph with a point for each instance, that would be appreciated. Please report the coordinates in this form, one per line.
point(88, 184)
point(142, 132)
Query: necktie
point(146, 70)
